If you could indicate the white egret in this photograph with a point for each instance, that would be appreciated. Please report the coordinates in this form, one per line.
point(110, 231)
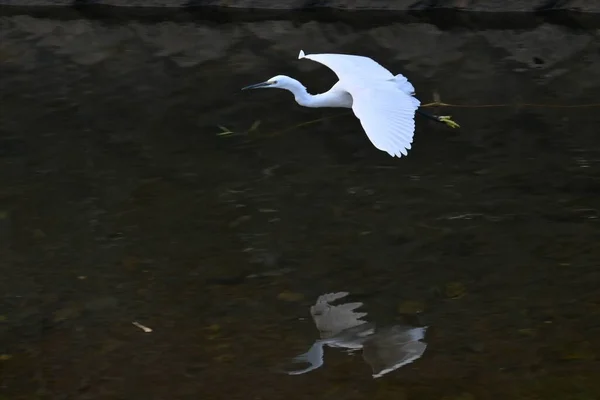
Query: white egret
point(384, 103)
point(385, 350)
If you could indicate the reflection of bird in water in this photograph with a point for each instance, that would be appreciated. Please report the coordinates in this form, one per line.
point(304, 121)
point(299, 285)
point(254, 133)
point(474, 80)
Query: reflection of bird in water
point(384, 350)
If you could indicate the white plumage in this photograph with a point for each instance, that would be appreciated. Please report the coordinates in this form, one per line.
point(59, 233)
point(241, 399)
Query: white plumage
point(384, 103)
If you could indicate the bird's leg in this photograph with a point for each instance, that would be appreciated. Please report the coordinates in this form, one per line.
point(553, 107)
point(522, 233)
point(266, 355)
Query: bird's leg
point(444, 119)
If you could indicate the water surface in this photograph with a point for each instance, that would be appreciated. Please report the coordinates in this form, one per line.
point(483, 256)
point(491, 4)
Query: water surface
point(120, 202)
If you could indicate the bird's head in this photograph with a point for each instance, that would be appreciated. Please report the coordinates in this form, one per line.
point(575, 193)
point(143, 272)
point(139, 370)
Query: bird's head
point(278, 82)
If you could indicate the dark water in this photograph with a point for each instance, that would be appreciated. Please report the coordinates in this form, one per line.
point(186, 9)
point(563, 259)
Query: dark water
point(119, 203)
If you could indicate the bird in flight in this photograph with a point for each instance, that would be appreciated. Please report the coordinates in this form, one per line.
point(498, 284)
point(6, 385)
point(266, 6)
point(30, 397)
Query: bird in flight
point(384, 103)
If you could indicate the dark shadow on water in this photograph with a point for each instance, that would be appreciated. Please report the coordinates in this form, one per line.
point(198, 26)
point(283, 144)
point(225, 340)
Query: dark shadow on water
point(120, 203)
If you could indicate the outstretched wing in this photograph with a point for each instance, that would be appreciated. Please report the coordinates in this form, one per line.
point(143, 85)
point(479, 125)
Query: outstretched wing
point(381, 101)
point(350, 67)
point(331, 319)
point(393, 348)
point(387, 115)
point(313, 357)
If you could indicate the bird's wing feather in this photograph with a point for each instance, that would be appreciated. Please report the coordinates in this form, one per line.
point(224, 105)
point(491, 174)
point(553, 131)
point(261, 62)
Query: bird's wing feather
point(332, 319)
point(394, 347)
point(387, 116)
point(350, 67)
point(404, 84)
point(313, 357)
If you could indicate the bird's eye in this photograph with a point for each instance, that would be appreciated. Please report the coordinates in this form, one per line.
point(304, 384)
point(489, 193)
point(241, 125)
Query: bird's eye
point(274, 82)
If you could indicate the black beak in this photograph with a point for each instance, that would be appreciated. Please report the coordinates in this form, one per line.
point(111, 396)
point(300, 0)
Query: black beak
point(257, 86)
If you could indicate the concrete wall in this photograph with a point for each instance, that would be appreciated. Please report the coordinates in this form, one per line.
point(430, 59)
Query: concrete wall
point(497, 6)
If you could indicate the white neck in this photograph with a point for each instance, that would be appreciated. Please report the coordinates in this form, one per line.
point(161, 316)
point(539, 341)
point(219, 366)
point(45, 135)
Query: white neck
point(331, 98)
